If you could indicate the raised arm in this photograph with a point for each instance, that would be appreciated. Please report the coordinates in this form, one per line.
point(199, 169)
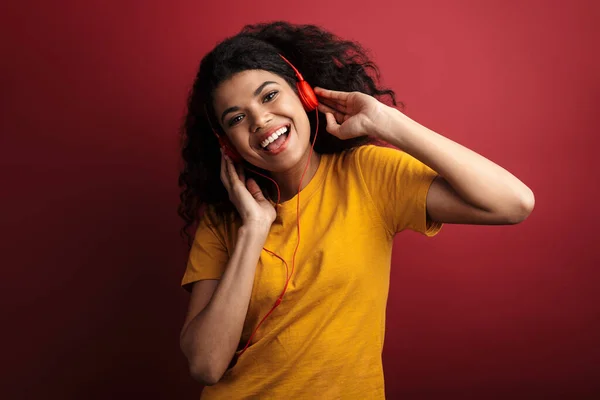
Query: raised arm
point(470, 189)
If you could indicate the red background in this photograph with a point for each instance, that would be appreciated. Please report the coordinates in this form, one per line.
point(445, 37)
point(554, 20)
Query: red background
point(93, 93)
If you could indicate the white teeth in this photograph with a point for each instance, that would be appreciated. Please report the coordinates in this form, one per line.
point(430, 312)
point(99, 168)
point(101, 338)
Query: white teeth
point(274, 136)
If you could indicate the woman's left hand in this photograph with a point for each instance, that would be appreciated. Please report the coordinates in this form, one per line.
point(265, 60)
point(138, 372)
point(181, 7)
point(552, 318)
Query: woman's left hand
point(352, 114)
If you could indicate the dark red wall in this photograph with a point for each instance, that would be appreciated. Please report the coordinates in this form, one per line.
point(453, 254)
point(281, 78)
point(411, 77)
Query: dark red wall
point(92, 94)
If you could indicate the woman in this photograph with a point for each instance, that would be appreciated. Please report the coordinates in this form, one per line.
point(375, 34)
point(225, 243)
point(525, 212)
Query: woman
point(255, 327)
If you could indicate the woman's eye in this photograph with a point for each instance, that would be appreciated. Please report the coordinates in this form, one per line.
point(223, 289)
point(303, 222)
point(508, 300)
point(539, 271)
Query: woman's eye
point(271, 95)
point(235, 120)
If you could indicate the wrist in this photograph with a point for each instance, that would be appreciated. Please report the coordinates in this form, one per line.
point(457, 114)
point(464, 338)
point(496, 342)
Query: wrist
point(392, 126)
point(257, 229)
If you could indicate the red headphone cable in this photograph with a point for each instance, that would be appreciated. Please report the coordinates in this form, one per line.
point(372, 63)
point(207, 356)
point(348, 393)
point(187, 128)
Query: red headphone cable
point(280, 298)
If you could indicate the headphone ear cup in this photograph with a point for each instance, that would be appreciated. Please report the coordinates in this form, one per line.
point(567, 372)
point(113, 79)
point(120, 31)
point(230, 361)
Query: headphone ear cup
point(233, 154)
point(229, 150)
point(307, 95)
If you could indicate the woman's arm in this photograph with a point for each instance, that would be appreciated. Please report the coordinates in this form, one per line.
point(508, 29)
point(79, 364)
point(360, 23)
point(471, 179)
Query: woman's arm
point(212, 331)
point(470, 189)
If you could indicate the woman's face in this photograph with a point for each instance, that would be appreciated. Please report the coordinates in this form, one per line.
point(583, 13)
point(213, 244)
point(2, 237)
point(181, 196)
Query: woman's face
point(264, 119)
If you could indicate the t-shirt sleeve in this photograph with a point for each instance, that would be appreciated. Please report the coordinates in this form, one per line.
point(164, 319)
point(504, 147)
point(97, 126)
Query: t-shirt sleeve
point(208, 255)
point(398, 185)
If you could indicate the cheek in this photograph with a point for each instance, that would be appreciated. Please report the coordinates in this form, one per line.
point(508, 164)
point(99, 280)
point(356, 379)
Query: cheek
point(241, 141)
point(301, 122)
point(303, 126)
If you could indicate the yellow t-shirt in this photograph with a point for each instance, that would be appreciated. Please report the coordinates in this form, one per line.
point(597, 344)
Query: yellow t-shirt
point(325, 339)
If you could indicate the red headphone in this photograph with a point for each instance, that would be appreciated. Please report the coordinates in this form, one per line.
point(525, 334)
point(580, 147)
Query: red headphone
point(305, 91)
point(309, 101)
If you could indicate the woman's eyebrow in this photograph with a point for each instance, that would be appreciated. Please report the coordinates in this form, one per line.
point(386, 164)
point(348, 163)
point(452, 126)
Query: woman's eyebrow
point(261, 87)
point(256, 93)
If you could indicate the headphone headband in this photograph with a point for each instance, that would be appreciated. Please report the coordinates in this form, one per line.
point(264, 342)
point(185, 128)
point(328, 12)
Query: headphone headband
point(298, 74)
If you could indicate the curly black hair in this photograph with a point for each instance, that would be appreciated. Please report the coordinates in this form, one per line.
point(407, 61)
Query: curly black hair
point(324, 59)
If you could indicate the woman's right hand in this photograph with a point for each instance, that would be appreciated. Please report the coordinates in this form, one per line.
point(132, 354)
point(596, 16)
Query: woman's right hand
point(256, 211)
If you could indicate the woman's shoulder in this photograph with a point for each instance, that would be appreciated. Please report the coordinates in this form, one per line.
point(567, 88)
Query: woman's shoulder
point(364, 155)
point(217, 220)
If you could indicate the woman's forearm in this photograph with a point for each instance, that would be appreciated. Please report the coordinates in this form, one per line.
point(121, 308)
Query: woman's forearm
point(477, 180)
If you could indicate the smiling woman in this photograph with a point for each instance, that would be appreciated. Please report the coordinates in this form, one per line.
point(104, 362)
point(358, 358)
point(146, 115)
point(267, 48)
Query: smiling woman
point(256, 52)
point(262, 115)
point(254, 328)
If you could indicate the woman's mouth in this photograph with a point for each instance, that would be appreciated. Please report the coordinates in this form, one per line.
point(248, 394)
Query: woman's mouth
point(276, 142)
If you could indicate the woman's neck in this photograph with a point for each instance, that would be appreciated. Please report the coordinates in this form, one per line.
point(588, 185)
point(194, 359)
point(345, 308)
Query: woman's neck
point(289, 180)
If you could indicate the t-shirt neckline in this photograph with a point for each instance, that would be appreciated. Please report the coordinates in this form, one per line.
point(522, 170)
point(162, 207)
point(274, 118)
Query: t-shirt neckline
point(308, 190)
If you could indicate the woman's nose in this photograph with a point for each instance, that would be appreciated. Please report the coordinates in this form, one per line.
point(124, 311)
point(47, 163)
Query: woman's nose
point(260, 119)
